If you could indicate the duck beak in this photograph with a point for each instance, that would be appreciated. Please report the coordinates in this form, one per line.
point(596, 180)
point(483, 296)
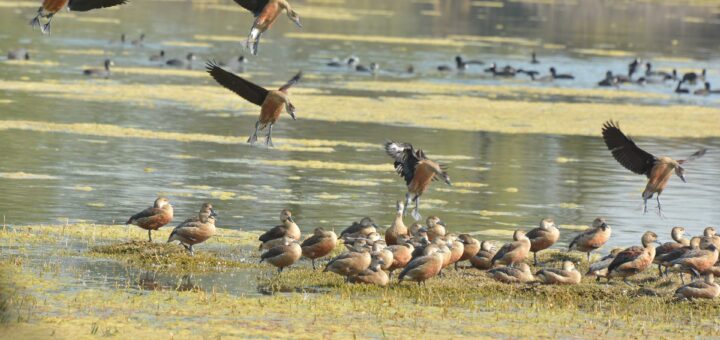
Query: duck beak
point(291, 219)
point(291, 110)
point(441, 223)
point(213, 213)
point(297, 22)
point(682, 177)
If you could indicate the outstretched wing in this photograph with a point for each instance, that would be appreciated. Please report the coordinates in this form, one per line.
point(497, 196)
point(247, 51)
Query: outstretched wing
point(254, 6)
point(406, 158)
point(86, 5)
point(291, 82)
point(251, 92)
point(694, 156)
point(625, 151)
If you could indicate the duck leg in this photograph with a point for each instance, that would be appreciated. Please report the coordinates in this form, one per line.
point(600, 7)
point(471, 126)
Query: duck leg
point(644, 205)
point(253, 137)
point(253, 40)
point(35, 22)
point(407, 203)
point(416, 211)
point(45, 29)
point(660, 270)
point(626, 282)
point(268, 139)
point(535, 259)
point(588, 257)
point(660, 213)
point(313, 262)
point(192, 251)
point(149, 235)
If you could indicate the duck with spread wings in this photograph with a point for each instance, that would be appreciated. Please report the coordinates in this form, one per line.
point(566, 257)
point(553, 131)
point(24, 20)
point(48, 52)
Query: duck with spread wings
point(417, 170)
point(266, 12)
point(657, 169)
point(50, 7)
point(271, 102)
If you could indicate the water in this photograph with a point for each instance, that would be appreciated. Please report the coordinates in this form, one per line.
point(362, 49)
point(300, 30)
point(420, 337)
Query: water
point(512, 180)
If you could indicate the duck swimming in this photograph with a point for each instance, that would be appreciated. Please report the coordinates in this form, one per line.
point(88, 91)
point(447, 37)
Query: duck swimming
point(182, 63)
point(102, 73)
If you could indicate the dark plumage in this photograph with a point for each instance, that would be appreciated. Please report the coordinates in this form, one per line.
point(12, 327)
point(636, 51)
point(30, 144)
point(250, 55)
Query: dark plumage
point(50, 7)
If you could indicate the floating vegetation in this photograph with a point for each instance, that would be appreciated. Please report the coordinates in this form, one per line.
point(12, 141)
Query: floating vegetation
point(24, 175)
point(83, 188)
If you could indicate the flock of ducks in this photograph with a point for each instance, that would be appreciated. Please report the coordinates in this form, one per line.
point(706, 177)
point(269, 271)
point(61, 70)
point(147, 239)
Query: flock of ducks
point(422, 252)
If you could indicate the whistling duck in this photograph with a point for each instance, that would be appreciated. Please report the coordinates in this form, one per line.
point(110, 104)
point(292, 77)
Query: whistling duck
point(703, 91)
point(423, 268)
point(513, 252)
point(608, 81)
point(697, 261)
point(365, 227)
point(374, 67)
point(681, 90)
point(158, 57)
point(705, 288)
point(633, 260)
point(50, 7)
point(384, 254)
point(568, 275)
point(657, 169)
point(349, 264)
point(19, 54)
point(266, 12)
point(519, 274)
point(692, 77)
point(271, 102)
point(319, 244)
point(373, 275)
point(633, 67)
point(139, 42)
point(507, 71)
point(534, 59)
point(457, 249)
point(101, 73)
point(182, 63)
point(195, 230)
point(398, 227)
point(666, 259)
point(709, 238)
point(274, 236)
point(483, 259)
point(283, 255)
point(417, 170)
point(599, 269)
point(435, 228)
point(677, 235)
point(471, 247)
point(543, 237)
point(402, 254)
point(160, 214)
point(593, 238)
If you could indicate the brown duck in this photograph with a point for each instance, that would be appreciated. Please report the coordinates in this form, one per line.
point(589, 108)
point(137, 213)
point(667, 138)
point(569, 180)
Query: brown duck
point(196, 229)
point(275, 235)
point(160, 214)
point(543, 237)
point(320, 244)
point(266, 12)
point(593, 238)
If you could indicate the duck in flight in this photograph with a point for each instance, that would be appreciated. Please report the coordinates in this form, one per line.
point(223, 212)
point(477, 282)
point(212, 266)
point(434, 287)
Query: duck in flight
point(266, 13)
point(50, 7)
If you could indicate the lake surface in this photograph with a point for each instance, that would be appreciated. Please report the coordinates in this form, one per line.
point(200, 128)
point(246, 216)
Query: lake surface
point(503, 181)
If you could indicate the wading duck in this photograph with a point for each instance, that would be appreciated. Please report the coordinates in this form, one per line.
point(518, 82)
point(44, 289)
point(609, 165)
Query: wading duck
point(160, 214)
point(703, 91)
point(633, 260)
point(519, 274)
point(555, 75)
point(100, 73)
point(633, 67)
point(514, 252)
point(50, 7)
point(397, 228)
point(568, 275)
point(543, 237)
point(196, 229)
point(282, 255)
point(266, 12)
point(349, 264)
point(271, 102)
point(417, 170)
point(182, 63)
point(657, 169)
point(705, 288)
point(320, 244)
point(593, 238)
point(287, 228)
point(139, 41)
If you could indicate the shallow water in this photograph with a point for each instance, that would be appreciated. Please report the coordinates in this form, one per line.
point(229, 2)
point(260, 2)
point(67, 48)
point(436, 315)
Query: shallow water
point(330, 173)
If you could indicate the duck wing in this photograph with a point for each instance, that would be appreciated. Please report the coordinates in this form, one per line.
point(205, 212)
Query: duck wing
point(275, 232)
point(625, 151)
point(294, 80)
point(149, 212)
point(86, 5)
point(625, 256)
point(254, 6)
point(406, 158)
point(251, 92)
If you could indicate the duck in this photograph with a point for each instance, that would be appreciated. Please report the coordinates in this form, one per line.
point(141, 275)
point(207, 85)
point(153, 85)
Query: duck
point(692, 77)
point(649, 73)
point(633, 260)
point(519, 274)
point(657, 169)
point(266, 12)
point(471, 247)
point(507, 71)
point(158, 57)
point(679, 241)
point(709, 238)
point(543, 237)
point(373, 275)
point(195, 230)
point(100, 73)
point(417, 170)
point(699, 289)
point(384, 254)
point(435, 228)
point(287, 228)
point(153, 218)
point(349, 263)
point(593, 238)
point(681, 90)
point(271, 102)
point(457, 249)
point(514, 252)
point(423, 268)
point(483, 259)
point(361, 229)
point(18, 54)
point(402, 254)
point(666, 259)
point(182, 63)
point(633, 67)
point(460, 64)
point(397, 228)
point(703, 91)
point(49, 8)
point(696, 261)
point(283, 255)
point(608, 81)
point(235, 63)
point(139, 42)
point(374, 67)
point(320, 244)
point(599, 268)
point(530, 73)
point(568, 275)
point(533, 59)
point(555, 75)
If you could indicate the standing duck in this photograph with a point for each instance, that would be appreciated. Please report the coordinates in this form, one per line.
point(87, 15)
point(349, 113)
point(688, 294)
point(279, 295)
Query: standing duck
point(677, 235)
point(483, 259)
point(697, 261)
point(519, 274)
point(514, 252)
point(633, 260)
point(633, 67)
point(283, 255)
point(274, 236)
point(319, 244)
point(397, 228)
point(599, 269)
point(657, 169)
point(196, 229)
point(402, 254)
point(266, 12)
point(50, 7)
point(349, 263)
point(593, 238)
point(666, 259)
point(435, 228)
point(543, 237)
point(568, 275)
point(361, 229)
point(100, 73)
point(709, 238)
point(182, 63)
point(471, 247)
point(160, 214)
point(423, 268)
point(700, 289)
point(417, 170)
point(271, 102)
